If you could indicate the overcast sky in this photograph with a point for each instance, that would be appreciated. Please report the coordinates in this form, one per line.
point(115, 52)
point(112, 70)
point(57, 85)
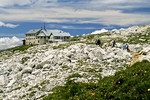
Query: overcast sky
point(75, 16)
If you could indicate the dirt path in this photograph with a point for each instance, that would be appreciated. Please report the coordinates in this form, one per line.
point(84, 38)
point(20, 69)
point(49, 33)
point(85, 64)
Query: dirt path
point(136, 57)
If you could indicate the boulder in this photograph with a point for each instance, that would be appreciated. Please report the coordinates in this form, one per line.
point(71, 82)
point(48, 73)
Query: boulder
point(135, 48)
point(1, 91)
point(18, 76)
point(145, 51)
point(2, 80)
point(5, 57)
point(46, 66)
point(11, 83)
point(27, 70)
point(44, 61)
point(36, 72)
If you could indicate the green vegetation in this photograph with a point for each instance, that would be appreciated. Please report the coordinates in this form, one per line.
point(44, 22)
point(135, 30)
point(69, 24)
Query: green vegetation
point(13, 50)
point(23, 96)
point(24, 59)
point(74, 75)
point(130, 84)
point(16, 88)
point(132, 38)
point(44, 82)
point(65, 67)
point(62, 46)
point(139, 39)
point(81, 63)
point(25, 84)
point(19, 48)
point(77, 38)
point(41, 86)
point(32, 94)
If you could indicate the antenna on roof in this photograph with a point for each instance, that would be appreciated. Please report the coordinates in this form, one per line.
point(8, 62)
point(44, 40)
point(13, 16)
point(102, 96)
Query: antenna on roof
point(44, 27)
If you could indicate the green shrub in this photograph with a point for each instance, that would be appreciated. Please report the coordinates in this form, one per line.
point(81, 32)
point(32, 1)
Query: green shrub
point(24, 59)
point(130, 84)
point(32, 94)
point(75, 39)
point(19, 48)
point(74, 75)
point(65, 67)
point(62, 46)
point(25, 84)
point(44, 82)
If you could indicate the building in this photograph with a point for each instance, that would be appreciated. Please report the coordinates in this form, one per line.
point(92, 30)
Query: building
point(24, 42)
point(43, 36)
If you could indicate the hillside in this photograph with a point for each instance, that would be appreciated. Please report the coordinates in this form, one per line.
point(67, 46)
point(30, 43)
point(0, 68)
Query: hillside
point(32, 72)
point(132, 83)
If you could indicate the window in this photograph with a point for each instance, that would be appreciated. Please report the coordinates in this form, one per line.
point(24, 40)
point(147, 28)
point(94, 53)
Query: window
point(57, 37)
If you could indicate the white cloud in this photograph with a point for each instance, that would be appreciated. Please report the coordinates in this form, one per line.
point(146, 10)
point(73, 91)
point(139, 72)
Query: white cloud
point(77, 27)
point(99, 31)
point(76, 4)
point(29, 3)
point(117, 4)
point(88, 11)
point(8, 25)
point(65, 15)
point(6, 3)
point(20, 35)
point(9, 42)
point(69, 26)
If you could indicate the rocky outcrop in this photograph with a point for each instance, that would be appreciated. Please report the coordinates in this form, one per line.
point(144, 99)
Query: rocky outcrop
point(47, 68)
point(33, 73)
point(131, 31)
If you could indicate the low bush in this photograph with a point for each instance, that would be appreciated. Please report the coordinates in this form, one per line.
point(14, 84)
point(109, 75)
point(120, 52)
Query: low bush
point(24, 59)
point(19, 48)
point(130, 84)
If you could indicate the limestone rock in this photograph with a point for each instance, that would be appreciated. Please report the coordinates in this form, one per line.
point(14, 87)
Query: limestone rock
point(11, 83)
point(27, 70)
point(47, 68)
point(2, 80)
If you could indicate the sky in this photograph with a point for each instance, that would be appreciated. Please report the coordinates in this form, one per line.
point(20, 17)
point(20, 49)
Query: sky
point(74, 16)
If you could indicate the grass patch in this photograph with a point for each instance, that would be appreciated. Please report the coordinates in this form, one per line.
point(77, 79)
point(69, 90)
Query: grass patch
point(32, 94)
point(65, 67)
point(18, 48)
point(90, 38)
point(136, 39)
point(23, 96)
point(81, 63)
point(74, 75)
point(24, 59)
point(13, 50)
point(75, 38)
point(17, 88)
point(44, 82)
point(62, 46)
point(25, 84)
point(130, 84)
